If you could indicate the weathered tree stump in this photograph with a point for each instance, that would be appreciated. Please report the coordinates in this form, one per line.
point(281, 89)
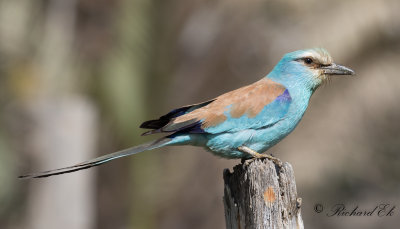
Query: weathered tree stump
point(259, 194)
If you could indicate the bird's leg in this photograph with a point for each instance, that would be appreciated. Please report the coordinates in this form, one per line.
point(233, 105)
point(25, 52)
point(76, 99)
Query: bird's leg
point(255, 154)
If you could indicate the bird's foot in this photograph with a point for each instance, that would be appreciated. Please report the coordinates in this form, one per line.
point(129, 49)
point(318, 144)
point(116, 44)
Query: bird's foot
point(257, 155)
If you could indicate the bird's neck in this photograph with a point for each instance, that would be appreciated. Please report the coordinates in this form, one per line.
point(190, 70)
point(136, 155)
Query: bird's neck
point(297, 91)
point(300, 91)
point(300, 95)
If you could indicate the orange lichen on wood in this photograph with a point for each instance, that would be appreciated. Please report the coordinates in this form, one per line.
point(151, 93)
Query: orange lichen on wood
point(269, 195)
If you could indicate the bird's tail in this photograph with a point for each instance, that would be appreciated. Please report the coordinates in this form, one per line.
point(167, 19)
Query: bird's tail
point(101, 160)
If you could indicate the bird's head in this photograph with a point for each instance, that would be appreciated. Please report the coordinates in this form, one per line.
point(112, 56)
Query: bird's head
point(308, 68)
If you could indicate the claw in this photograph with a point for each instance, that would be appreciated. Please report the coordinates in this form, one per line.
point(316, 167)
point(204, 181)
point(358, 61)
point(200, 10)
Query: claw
point(257, 155)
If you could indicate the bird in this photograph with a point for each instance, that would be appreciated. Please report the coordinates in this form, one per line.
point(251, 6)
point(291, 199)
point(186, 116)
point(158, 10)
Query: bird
point(240, 124)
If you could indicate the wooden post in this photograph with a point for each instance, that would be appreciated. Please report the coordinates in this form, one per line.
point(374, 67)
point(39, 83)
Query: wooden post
point(259, 194)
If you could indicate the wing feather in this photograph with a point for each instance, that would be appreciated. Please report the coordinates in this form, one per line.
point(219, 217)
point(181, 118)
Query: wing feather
point(254, 106)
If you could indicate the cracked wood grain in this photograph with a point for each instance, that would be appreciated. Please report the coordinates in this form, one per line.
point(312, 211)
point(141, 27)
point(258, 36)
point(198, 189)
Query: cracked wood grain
point(260, 195)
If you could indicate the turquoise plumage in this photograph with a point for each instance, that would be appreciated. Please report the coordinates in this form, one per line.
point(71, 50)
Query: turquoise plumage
point(242, 123)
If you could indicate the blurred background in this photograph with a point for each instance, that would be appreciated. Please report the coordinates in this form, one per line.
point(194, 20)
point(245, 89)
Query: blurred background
point(78, 77)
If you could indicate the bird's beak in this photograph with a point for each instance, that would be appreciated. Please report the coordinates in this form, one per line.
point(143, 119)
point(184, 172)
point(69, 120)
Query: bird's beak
point(335, 69)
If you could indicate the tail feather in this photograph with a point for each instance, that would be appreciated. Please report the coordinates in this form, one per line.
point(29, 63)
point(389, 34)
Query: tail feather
point(100, 160)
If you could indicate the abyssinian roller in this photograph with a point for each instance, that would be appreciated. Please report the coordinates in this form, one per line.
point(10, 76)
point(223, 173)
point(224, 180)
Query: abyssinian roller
point(243, 123)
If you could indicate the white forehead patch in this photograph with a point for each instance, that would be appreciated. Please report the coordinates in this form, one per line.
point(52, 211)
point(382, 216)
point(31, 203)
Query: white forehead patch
point(319, 55)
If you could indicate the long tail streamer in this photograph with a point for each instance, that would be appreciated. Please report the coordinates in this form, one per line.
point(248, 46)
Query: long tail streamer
point(100, 160)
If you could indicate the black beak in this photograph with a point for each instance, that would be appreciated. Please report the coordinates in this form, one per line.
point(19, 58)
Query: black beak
point(335, 69)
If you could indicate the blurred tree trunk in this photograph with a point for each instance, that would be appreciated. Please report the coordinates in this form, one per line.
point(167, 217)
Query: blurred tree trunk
point(63, 124)
point(126, 73)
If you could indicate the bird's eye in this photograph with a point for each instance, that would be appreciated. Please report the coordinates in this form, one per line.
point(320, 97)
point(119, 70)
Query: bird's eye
point(308, 60)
